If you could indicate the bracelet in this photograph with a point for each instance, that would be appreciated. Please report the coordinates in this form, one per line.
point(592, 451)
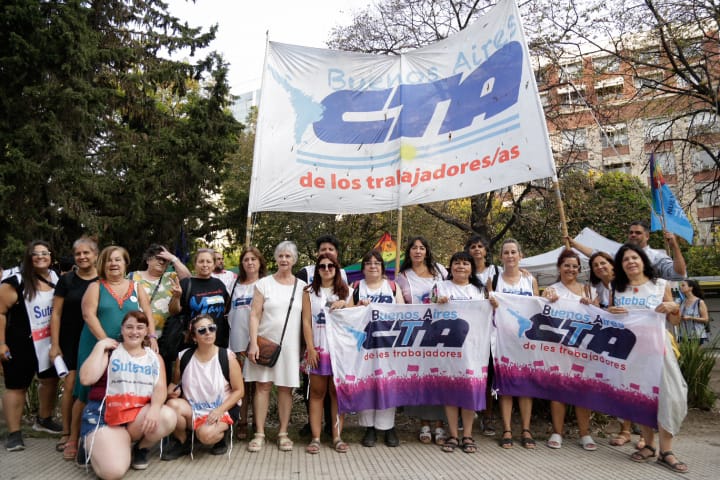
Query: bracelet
point(152, 335)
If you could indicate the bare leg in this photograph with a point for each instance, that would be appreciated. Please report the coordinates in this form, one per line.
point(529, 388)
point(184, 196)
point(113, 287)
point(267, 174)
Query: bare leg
point(66, 407)
point(451, 412)
point(506, 404)
point(261, 403)
point(337, 420)
point(468, 418)
point(110, 452)
point(284, 408)
point(318, 390)
point(47, 395)
point(13, 402)
point(557, 412)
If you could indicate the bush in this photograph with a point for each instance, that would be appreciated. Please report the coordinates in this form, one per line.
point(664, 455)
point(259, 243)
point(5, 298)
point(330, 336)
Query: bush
point(697, 363)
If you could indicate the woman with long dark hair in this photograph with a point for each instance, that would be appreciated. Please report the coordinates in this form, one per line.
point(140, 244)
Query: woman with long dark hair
point(328, 291)
point(25, 309)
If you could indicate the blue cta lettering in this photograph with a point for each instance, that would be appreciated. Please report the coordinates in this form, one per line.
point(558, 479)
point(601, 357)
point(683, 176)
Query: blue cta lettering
point(404, 333)
point(488, 90)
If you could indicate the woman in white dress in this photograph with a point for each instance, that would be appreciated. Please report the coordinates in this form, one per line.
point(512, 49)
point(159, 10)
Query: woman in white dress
point(277, 298)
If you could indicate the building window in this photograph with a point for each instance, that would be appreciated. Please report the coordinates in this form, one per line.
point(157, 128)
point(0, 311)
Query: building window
point(625, 167)
point(572, 96)
point(648, 57)
point(704, 122)
point(606, 64)
point(609, 90)
point(702, 161)
point(573, 139)
point(570, 71)
point(648, 82)
point(708, 197)
point(657, 129)
point(666, 162)
point(544, 99)
point(614, 135)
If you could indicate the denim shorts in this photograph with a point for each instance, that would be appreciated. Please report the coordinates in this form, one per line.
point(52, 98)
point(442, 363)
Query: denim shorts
point(92, 417)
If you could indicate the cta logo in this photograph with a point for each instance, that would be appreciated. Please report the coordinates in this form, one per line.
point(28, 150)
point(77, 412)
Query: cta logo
point(378, 116)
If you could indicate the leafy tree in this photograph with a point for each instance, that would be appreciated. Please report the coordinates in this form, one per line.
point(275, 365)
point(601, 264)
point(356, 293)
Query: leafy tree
point(99, 132)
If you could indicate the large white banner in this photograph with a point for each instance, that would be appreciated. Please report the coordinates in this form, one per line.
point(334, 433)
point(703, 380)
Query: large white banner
point(388, 355)
point(580, 355)
point(343, 132)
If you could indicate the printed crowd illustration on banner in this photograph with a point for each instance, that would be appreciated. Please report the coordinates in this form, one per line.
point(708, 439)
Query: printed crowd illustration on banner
point(580, 355)
point(388, 355)
point(342, 132)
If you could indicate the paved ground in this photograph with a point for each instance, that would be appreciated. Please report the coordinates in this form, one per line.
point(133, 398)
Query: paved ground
point(411, 460)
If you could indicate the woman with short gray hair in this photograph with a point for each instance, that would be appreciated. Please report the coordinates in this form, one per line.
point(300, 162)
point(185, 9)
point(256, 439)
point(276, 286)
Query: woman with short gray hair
point(275, 314)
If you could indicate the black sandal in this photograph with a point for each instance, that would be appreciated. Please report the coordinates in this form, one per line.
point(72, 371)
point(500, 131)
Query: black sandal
point(469, 445)
point(506, 442)
point(677, 466)
point(451, 443)
point(640, 458)
point(527, 442)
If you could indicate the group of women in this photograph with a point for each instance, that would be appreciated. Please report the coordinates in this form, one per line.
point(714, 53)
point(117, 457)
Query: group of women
point(118, 408)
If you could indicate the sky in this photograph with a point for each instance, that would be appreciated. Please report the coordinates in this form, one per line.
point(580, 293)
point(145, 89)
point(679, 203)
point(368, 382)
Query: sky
point(243, 25)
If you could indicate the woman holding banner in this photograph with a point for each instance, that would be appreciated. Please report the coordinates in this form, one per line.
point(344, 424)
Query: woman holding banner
point(462, 284)
point(637, 286)
point(568, 265)
point(418, 279)
point(328, 291)
point(513, 281)
point(374, 288)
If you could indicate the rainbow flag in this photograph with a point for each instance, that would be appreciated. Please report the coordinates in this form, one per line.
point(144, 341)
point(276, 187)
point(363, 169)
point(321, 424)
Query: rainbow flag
point(665, 205)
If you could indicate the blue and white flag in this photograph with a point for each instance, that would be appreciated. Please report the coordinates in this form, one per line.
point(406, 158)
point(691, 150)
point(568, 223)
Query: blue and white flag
point(343, 132)
point(665, 205)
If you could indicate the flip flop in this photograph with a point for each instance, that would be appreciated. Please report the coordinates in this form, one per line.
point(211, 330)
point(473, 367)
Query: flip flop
point(555, 441)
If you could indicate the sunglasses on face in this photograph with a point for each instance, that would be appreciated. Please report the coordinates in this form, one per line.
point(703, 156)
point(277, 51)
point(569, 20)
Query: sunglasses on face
point(212, 328)
point(326, 266)
point(40, 254)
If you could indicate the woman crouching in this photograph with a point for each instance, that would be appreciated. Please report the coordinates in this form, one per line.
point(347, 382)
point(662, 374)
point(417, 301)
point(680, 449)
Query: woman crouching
point(126, 400)
point(212, 385)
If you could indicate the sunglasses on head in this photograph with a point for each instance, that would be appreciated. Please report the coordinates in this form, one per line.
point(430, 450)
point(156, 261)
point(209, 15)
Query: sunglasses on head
point(212, 328)
point(326, 266)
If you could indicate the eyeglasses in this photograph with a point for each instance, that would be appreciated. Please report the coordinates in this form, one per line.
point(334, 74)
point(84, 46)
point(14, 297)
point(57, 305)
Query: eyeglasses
point(212, 328)
point(373, 264)
point(40, 254)
point(326, 266)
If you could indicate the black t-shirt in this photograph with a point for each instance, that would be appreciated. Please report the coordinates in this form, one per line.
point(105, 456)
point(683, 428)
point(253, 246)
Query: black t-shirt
point(207, 296)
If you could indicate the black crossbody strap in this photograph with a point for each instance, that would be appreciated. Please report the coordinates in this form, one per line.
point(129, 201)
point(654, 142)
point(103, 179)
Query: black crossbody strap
point(287, 317)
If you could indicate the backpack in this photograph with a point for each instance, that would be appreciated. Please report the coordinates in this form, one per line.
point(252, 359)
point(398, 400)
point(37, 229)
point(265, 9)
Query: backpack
point(222, 358)
point(356, 292)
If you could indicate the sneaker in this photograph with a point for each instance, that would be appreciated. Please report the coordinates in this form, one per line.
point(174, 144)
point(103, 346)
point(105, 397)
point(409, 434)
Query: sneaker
point(391, 438)
point(47, 425)
point(14, 442)
point(139, 457)
point(220, 448)
point(175, 449)
point(369, 439)
point(487, 427)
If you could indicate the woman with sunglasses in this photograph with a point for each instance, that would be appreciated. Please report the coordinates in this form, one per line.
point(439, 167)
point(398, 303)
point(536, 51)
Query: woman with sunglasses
point(568, 287)
point(327, 292)
point(159, 284)
point(204, 400)
point(25, 342)
point(126, 400)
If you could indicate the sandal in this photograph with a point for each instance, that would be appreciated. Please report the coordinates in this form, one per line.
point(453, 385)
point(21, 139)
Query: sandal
point(450, 444)
point(425, 436)
point(621, 439)
point(313, 447)
point(70, 451)
point(527, 442)
point(640, 458)
point(555, 441)
point(440, 436)
point(677, 466)
point(587, 443)
point(60, 446)
point(506, 442)
point(284, 442)
point(469, 445)
point(257, 443)
point(340, 446)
